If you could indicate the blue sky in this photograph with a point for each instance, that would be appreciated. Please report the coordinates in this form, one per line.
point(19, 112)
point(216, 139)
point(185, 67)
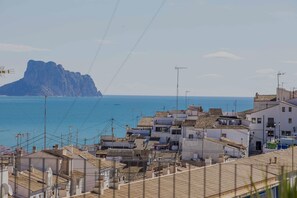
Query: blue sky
point(230, 47)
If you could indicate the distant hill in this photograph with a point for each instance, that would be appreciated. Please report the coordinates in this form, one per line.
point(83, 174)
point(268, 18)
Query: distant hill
point(50, 79)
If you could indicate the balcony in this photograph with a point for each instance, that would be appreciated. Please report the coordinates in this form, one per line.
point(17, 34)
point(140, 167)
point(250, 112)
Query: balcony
point(270, 125)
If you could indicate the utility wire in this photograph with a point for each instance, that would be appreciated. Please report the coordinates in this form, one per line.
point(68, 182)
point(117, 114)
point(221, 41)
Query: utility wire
point(126, 59)
point(93, 60)
point(104, 35)
point(26, 141)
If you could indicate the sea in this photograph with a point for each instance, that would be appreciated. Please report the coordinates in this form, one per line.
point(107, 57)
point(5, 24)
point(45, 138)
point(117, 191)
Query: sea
point(82, 120)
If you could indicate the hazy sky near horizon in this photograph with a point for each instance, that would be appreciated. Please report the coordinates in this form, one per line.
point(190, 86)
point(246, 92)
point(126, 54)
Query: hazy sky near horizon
point(230, 47)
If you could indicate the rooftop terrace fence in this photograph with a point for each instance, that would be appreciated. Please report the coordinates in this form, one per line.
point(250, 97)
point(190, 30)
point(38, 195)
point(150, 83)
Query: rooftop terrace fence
point(84, 178)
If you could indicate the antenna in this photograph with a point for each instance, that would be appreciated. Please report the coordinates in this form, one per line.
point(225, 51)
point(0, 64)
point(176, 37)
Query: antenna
point(112, 131)
point(186, 98)
point(70, 136)
point(44, 133)
point(177, 86)
point(76, 138)
point(278, 76)
point(235, 106)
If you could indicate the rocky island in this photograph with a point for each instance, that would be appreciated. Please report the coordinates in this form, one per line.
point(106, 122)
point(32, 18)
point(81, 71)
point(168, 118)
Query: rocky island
point(50, 79)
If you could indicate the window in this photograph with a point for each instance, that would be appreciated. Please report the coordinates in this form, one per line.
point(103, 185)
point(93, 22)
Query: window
point(283, 109)
point(253, 120)
point(258, 146)
point(161, 129)
point(286, 133)
point(290, 109)
point(270, 122)
point(176, 132)
point(191, 136)
point(259, 120)
point(290, 120)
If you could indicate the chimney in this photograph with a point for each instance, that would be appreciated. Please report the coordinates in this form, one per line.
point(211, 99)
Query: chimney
point(16, 172)
point(18, 158)
point(31, 169)
point(56, 146)
point(19, 152)
point(34, 149)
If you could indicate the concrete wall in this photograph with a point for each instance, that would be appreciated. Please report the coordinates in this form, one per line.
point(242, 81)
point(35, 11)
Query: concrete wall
point(283, 94)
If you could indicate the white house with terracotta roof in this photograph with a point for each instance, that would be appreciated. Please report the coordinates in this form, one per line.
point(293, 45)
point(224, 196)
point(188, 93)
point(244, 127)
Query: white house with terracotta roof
point(82, 169)
point(33, 183)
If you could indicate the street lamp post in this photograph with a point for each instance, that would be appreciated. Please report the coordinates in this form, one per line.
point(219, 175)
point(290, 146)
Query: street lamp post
point(177, 87)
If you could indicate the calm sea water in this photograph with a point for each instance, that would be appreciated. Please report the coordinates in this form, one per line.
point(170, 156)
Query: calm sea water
point(90, 117)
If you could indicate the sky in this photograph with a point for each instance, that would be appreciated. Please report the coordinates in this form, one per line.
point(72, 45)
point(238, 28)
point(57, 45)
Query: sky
point(230, 47)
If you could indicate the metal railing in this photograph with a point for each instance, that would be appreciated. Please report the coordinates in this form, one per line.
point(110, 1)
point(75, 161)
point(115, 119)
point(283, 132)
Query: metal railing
point(73, 177)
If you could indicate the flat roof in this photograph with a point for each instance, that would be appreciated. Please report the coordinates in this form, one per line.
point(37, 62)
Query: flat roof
point(264, 98)
point(145, 122)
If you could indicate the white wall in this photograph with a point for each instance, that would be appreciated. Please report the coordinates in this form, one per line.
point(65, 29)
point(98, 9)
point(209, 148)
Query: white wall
point(281, 120)
point(239, 136)
point(202, 147)
point(37, 162)
point(3, 180)
point(91, 173)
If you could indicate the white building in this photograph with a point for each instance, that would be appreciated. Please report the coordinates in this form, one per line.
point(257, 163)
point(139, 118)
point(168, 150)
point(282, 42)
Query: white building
point(215, 137)
point(83, 169)
point(273, 122)
point(5, 188)
point(168, 126)
point(30, 183)
point(201, 149)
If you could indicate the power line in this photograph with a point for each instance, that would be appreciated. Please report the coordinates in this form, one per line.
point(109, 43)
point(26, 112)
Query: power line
point(94, 59)
point(127, 58)
point(104, 35)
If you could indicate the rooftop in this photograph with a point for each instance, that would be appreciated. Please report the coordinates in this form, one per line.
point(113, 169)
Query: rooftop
point(91, 158)
point(212, 181)
point(145, 122)
point(264, 98)
point(161, 114)
point(36, 180)
point(211, 122)
point(215, 111)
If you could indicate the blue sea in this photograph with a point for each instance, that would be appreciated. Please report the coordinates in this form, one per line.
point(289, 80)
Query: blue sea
point(84, 119)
